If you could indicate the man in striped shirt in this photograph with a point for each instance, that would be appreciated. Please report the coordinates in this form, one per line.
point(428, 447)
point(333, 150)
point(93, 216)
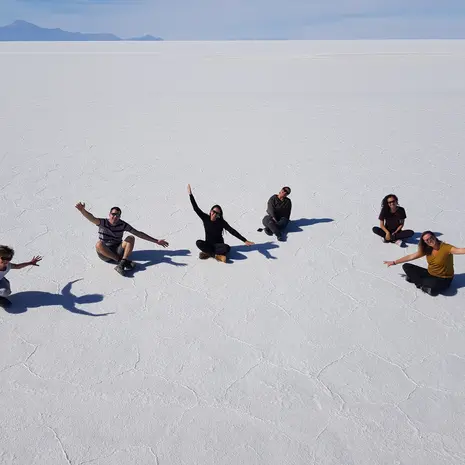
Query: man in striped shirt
point(111, 247)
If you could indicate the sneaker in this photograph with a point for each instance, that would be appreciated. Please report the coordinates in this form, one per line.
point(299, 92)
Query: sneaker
point(400, 243)
point(280, 237)
point(268, 232)
point(120, 267)
point(221, 258)
point(128, 264)
point(4, 302)
point(428, 290)
point(204, 255)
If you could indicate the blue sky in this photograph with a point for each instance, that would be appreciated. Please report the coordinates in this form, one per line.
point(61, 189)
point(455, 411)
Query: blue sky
point(246, 19)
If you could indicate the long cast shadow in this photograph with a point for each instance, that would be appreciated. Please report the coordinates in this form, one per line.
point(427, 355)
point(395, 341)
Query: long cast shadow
point(297, 225)
point(264, 249)
point(154, 257)
point(22, 301)
point(457, 283)
point(415, 239)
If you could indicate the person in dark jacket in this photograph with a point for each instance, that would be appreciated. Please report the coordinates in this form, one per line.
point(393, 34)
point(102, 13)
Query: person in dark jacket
point(214, 224)
point(279, 212)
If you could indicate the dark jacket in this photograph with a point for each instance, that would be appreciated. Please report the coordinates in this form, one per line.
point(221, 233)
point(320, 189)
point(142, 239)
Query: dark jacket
point(214, 229)
point(279, 208)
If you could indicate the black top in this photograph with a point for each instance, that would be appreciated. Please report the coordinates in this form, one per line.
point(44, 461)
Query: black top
point(214, 229)
point(279, 208)
point(393, 220)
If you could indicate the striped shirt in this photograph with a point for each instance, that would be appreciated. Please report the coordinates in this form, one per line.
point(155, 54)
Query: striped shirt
point(111, 234)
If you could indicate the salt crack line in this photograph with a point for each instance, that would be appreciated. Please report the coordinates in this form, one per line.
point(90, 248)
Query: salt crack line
point(261, 420)
point(37, 237)
point(335, 361)
point(155, 455)
point(242, 377)
point(61, 445)
point(100, 458)
point(434, 319)
point(395, 365)
point(312, 378)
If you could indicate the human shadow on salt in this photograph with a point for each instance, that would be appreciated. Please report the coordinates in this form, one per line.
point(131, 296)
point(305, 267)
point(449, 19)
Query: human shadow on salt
point(415, 239)
point(236, 251)
point(146, 258)
point(297, 225)
point(23, 301)
point(457, 283)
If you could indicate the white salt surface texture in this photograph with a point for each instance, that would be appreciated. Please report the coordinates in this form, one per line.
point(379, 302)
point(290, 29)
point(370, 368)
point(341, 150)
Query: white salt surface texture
point(307, 352)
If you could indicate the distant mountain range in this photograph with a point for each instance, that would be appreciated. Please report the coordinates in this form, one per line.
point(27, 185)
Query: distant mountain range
point(22, 31)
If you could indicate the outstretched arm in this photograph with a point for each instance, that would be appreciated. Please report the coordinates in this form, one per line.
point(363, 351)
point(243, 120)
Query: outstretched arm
point(146, 237)
point(407, 258)
point(457, 251)
point(236, 234)
point(33, 262)
point(82, 208)
point(196, 208)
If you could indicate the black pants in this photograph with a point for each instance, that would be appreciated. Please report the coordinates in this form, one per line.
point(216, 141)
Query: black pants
point(275, 228)
point(421, 278)
point(213, 249)
point(402, 234)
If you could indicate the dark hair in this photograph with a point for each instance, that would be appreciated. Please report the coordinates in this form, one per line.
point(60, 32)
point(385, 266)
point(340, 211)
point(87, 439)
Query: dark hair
point(287, 189)
point(423, 247)
point(385, 206)
point(115, 208)
point(6, 251)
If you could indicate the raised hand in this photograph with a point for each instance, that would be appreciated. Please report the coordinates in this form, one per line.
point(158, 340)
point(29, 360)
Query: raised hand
point(189, 190)
point(163, 243)
point(80, 206)
point(35, 259)
point(389, 263)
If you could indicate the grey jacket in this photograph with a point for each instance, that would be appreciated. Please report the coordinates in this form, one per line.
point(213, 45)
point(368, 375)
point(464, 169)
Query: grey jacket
point(279, 208)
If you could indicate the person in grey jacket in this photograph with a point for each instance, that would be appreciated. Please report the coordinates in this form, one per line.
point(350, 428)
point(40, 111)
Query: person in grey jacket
point(278, 213)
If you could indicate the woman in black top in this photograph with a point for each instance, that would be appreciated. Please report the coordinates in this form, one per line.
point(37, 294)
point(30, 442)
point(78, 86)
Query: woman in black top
point(214, 224)
point(391, 221)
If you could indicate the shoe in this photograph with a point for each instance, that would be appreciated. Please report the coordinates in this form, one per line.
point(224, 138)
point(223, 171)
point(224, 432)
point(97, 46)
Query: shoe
point(4, 302)
point(280, 237)
point(400, 243)
point(221, 258)
point(120, 268)
point(128, 265)
point(428, 290)
point(268, 232)
point(204, 255)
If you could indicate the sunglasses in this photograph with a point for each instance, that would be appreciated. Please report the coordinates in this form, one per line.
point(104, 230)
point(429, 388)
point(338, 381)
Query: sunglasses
point(6, 259)
point(429, 239)
point(216, 213)
point(115, 214)
point(392, 201)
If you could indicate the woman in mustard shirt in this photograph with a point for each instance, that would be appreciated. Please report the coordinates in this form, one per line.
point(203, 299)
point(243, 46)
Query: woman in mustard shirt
point(439, 255)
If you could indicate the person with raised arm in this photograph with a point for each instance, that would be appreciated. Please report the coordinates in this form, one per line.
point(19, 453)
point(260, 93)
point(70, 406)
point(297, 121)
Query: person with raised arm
point(214, 225)
point(439, 255)
point(111, 247)
point(6, 255)
point(391, 222)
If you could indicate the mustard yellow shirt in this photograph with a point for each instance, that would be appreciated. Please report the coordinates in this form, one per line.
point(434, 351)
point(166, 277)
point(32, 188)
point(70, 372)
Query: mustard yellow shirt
point(441, 264)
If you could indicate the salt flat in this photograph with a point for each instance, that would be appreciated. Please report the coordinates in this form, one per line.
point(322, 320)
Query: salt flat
point(304, 352)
